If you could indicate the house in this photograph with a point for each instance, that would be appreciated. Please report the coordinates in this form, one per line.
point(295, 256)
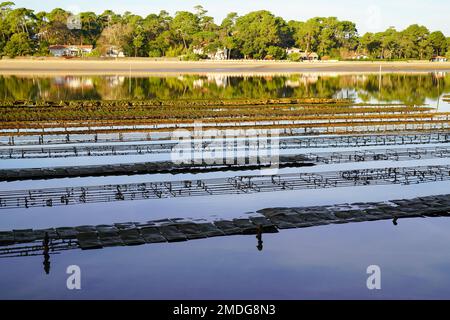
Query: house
point(310, 56)
point(293, 50)
point(198, 50)
point(219, 54)
point(58, 50)
point(70, 50)
point(358, 56)
point(439, 59)
point(114, 52)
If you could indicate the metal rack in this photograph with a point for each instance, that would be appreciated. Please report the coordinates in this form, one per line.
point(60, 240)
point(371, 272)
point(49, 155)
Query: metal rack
point(57, 151)
point(50, 197)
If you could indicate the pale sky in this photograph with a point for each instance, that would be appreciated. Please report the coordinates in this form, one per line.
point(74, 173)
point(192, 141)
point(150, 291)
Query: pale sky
point(372, 15)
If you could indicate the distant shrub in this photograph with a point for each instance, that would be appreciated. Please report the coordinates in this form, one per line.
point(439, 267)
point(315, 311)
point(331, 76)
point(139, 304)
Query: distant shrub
point(175, 51)
point(96, 53)
point(155, 53)
point(190, 57)
point(295, 57)
point(19, 45)
point(275, 53)
point(42, 49)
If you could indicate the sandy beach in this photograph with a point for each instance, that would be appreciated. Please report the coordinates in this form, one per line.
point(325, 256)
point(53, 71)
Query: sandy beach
point(143, 66)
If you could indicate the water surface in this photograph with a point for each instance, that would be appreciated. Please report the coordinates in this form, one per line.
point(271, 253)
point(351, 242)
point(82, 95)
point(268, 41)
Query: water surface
point(327, 262)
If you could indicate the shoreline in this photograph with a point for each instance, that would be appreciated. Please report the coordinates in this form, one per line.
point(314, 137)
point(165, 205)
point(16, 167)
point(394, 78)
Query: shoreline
point(147, 66)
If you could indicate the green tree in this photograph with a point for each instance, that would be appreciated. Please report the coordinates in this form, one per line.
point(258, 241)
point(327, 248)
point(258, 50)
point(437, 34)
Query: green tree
point(257, 31)
point(325, 35)
point(138, 41)
point(438, 42)
point(185, 25)
point(226, 33)
point(276, 53)
point(254, 35)
point(370, 44)
point(19, 45)
point(306, 34)
point(416, 42)
point(389, 43)
point(91, 28)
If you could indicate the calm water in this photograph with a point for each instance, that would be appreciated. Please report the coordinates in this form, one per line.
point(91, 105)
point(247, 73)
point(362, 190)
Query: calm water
point(406, 88)
point(324, 262)
point(321, 262)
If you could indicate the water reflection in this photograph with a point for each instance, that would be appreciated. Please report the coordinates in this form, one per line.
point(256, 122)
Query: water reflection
point(46, 254)
point(259, 232)
point(406, 88)
point(20, 243)
point(395, 221)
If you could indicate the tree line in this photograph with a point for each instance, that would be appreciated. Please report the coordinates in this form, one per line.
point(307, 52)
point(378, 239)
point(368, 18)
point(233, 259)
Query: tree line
point(256, 35)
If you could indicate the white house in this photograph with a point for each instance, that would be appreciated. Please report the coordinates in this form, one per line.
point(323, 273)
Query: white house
point(58, 50)
point(311, 56)
point(114, 52)
point(358, 56)
point(219, 54)
point(439, 59)
point(70, 50)
point(293, 50)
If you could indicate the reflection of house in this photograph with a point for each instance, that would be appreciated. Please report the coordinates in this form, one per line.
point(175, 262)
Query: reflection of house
point(198, 83)
point(114, 81)
point(74, 82)
point(292, 84)
point(310, 78)
point(311, 56)
point(70, 50)
point(114, 52)
point(438, 59)
point(220, 80)
point(304, 79)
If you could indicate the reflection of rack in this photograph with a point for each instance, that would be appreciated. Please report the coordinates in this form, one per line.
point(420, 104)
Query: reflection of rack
point(396, 154)
point(235, 163)
point(36, 249)
point(22, 243)
point(203, 187)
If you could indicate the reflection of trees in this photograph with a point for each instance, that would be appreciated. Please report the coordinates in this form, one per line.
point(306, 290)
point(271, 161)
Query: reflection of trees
point(406, 88)
point(20, 88)
point(409, 89)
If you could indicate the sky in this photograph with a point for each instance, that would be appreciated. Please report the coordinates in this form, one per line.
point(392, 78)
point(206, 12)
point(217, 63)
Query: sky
point(369, 16)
